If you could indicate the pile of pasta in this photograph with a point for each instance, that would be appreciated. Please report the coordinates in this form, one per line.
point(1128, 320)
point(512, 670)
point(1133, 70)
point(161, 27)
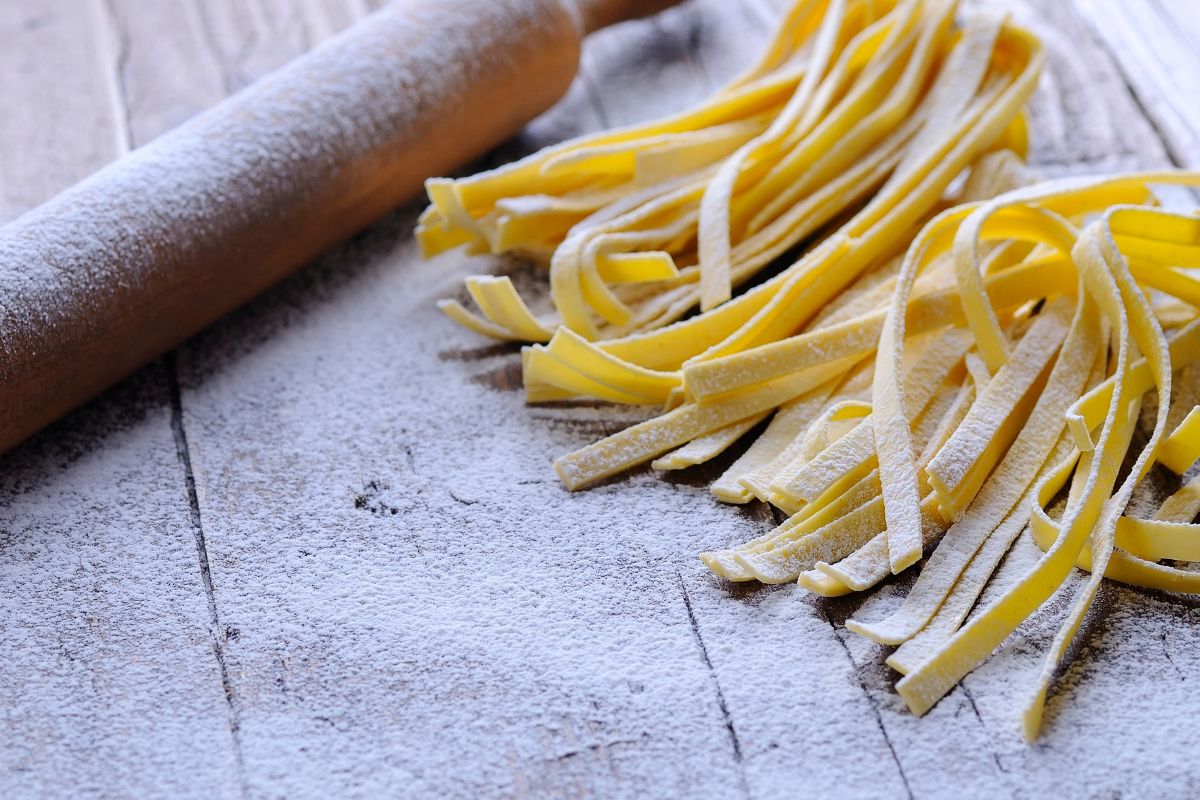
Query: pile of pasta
point(1019, 340)
point(958, 356)
point(850, 105)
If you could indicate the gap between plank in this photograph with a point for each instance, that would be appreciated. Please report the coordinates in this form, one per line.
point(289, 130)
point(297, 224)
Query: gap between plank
point(1168, 147)
point(725, 715)
point(183, 451)
point(975, 708)
point(118, 60)
point(872, 701)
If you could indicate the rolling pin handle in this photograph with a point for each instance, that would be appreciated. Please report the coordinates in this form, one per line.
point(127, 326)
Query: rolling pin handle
point(597, 14)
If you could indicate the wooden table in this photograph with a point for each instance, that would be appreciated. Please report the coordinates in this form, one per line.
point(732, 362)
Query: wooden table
point(255, 568)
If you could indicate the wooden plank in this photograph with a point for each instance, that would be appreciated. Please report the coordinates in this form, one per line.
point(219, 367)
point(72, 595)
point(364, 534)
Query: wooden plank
point(179, 58)
point(109, 671)
point(1155, 44)
point(1114, 706)
point(1084, 119)
point(1126, 680)
point(643, 69)
point(52, 94)
point(327, 17)
point(865, 726)
point(109, 640)
point(182, 57)
point(110, 684)
point(249, 39)
point(166, 74)
point(718, 38)
point(246, 39)
point(260, 750)
point(422, 609)
point(176, 60)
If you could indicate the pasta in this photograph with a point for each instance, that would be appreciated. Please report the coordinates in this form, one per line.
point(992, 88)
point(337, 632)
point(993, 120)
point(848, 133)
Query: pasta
point(956, 346)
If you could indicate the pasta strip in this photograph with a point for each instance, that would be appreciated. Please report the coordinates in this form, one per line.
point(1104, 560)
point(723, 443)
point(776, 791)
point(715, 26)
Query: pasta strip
point(708, 446)
point(948, 470)
point(646, 440)
point(1009, 289)
point(1181, 449)
point(788, 424)
point(971, 581)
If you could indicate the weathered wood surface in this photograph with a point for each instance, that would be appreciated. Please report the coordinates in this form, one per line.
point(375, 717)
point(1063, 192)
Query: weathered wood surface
point(320, 550)
point(1157, 45)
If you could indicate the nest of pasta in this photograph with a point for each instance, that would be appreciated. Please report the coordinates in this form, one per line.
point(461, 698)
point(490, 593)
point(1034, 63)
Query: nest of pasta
point(953, 350)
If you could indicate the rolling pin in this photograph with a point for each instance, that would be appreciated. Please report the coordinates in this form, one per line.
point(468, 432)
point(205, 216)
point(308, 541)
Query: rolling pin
point(122, 267)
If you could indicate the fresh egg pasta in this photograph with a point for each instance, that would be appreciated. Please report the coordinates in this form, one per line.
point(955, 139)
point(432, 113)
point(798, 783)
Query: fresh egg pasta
point(955, 347)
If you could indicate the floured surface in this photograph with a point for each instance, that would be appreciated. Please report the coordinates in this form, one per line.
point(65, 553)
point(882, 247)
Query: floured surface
point(405, 601)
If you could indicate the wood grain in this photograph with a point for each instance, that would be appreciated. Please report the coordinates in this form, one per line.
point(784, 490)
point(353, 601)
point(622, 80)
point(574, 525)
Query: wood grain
point(386, 627)
point(1155, 45)
point(61, 120)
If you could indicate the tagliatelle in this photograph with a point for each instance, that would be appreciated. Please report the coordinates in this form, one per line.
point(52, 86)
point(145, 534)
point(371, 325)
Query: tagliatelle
point(732, 184)
point(707, 447)
point(925, 379)
point(1005, 435)
point(1108, 279)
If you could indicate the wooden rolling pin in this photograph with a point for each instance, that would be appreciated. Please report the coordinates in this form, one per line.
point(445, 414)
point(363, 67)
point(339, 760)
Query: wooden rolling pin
point(127, 264)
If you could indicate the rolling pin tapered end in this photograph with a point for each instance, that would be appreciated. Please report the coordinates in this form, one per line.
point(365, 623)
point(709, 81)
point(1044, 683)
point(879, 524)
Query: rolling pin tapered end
point(599, 14)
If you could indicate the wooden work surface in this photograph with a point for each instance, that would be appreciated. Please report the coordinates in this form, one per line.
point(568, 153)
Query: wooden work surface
point(279, 563)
